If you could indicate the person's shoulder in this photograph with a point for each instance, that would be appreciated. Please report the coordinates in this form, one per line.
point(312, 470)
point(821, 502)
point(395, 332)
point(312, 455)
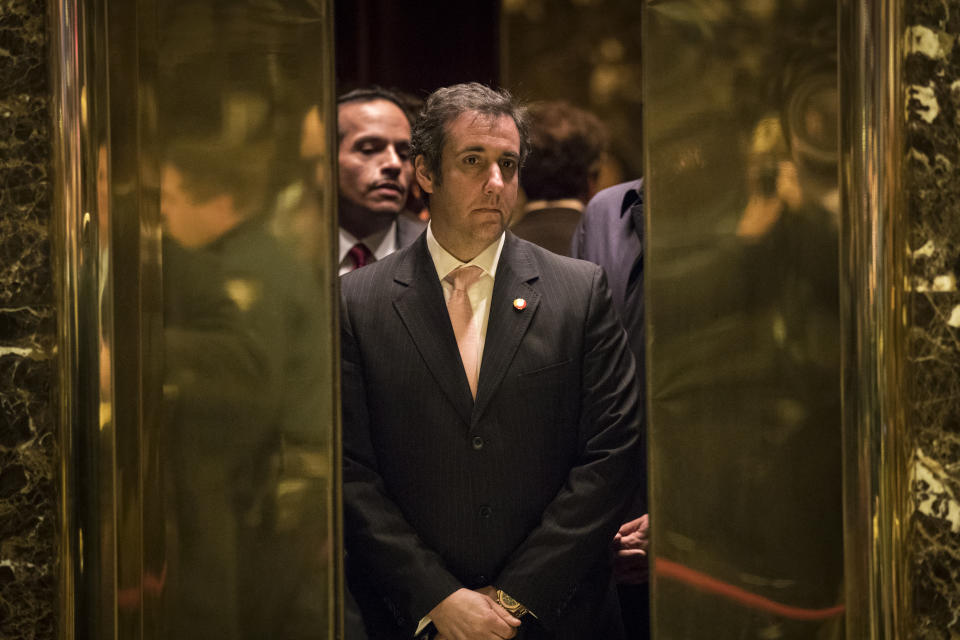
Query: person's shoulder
point(409, 228)
point(555, 265)
point(380, 271)
point(411, 222)
point(611, 198)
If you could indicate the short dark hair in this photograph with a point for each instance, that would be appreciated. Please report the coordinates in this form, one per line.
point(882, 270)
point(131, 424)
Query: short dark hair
point(566, 144)
point(445, 105)
point(370, 94)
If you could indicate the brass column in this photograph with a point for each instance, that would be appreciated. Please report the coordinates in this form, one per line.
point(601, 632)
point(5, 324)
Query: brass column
point(873, 317)
point(144, 404)
point(741, 276)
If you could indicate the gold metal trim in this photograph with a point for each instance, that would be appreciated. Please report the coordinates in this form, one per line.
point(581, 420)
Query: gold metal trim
point(872, 272)
point(81, 250)
point(103, 213)
point(330, 266)
point(64, 109)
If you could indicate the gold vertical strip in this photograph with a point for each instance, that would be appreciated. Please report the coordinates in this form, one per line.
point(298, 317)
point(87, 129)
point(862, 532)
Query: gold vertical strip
point(152, 515)
point(872, 277)
point(81, 250)
point(330, 267)
point(137, 307)
point(65, 250)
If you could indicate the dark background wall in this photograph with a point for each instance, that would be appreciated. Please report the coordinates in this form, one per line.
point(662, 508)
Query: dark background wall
point(28, 375)
point(416, 47)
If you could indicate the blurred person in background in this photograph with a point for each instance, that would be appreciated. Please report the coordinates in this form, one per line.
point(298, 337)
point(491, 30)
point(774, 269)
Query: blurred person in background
point(567, 146)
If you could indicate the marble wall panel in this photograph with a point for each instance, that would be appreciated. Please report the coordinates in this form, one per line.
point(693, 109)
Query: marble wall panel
point(28, 374)
point(932, 191)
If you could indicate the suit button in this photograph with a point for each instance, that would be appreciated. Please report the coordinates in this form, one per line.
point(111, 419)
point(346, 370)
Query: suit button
point(485, 511)
point(482, 580)
point(477, 442)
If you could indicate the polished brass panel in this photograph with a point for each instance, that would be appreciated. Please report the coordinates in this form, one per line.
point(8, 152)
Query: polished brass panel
point(66, 252)
point(873, 279)
point(200, 469)
point(246, 444)
point(741, 267)
point(81, 250)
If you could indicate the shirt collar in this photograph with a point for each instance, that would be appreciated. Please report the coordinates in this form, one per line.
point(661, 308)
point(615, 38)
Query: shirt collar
point(445, 262)
point(381, 243)
point(630, 197)
point(564, 203)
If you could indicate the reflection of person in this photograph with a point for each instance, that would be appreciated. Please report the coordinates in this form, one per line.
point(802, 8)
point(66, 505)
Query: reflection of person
point(566, 146)
point(375, 175)
point(227, 441)
point(491, 433)
point(611, 235)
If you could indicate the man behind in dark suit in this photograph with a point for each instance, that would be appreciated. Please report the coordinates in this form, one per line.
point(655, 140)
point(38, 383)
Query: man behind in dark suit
point(610, 234)
point(560, 173)
point(373, 131)
point(473, 492)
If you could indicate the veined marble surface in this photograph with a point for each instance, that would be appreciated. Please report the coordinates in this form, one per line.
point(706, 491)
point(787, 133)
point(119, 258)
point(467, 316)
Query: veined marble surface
point(932, 184)
point(28, 446)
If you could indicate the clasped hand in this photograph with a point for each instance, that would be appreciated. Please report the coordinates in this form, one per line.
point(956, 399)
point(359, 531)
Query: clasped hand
point(472, 615)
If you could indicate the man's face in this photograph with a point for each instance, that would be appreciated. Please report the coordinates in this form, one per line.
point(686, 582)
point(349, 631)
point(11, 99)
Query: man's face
point(191, 223)
point(470, 205)
point(374, 157)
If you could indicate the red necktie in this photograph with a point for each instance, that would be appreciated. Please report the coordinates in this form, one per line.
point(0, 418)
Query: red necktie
point(461, 317)
point(360, 255)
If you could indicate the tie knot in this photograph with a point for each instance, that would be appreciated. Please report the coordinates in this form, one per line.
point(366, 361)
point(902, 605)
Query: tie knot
point(462, 278)
point(360, 254)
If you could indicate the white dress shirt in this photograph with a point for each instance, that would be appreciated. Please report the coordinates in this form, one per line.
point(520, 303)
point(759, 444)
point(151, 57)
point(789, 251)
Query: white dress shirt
point(381, 244)
point(481, 292)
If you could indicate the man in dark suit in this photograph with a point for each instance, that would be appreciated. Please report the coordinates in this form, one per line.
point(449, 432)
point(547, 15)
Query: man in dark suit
point(373, 130)
point(490, 409)
point(560, 174)
point(610, 234)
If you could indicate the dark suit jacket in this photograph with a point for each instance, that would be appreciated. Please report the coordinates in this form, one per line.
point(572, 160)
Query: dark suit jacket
point(522, 489)
point(608, 236)
point(550, 228)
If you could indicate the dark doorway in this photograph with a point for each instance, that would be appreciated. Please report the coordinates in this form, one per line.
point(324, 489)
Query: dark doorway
point(416, 47)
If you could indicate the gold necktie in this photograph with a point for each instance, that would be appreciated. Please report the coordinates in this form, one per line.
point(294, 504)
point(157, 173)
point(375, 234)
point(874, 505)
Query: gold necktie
point(461, 317)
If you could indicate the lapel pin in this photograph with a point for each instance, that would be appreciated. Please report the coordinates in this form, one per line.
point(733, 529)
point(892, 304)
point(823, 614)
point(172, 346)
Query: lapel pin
point(519, 304)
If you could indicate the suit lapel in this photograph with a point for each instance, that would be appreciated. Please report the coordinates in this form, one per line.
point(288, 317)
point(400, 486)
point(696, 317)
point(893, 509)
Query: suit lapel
point(506, 325)
point(421, 307)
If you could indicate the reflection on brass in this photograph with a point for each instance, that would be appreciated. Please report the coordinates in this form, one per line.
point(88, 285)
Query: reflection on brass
point(872, 269)
point(741, 277)
point(82, 250)
point(247, 438)
point(191, 448)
